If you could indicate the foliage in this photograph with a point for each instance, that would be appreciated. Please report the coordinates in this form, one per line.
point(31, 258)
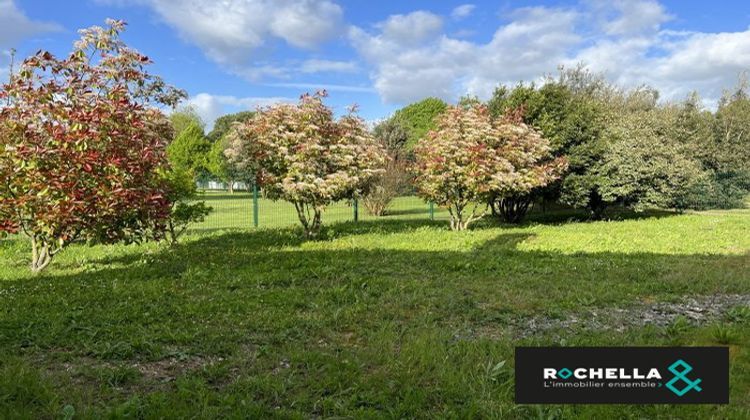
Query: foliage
point(220, 167)
point(472, 158)
point(185, 117)
point(223, 124)
point(715, 191)
point(644, 166)
point(302, 154)
point(719, 142)
point(419, 118)
point(570, 113)
point(182, 194)
point(599, 128)
point(79, 163)
point(384, 188)
point(732, 130)
point(218, 164)
point(393, 136)
point(189, 151)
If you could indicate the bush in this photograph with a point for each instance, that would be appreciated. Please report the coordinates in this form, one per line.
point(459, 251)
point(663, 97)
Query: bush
point(719, 191)
point(181, 192)
point(302, 154)
point(472, 158)
point(387, 186)
point(383, 188)
point(82, 144)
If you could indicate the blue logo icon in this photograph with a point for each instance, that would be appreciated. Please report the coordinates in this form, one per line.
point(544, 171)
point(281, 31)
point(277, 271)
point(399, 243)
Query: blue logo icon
point(680, 369)
point(564, 373)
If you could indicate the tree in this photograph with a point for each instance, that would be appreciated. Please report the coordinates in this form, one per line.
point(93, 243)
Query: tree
point(223, 124)
point(693, 127)
point(569, 111)
point(644, 166)
point(732, 137)
point(383, 188)
point(218, 164)
point(82, 146)
point(392, 135)
point(419, 118)
point(302, 154)
point(472, 158)
point(183, 118)
point(189, 151)
point(185, 210)
point(220, 167)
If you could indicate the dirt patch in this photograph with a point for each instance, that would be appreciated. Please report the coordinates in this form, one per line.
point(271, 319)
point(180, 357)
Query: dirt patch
point(166, 370)
point(696, 310)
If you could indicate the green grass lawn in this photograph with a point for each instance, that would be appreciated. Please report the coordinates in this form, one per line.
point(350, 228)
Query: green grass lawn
point(235, 211)
point(393, 318)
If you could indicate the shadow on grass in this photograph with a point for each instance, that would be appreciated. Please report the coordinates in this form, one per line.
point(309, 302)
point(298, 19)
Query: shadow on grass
point(563, 216)
point(255, 299)
point(404, 212)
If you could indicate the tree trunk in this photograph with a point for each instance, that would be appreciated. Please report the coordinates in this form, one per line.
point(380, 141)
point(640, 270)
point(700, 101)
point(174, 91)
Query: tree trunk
point(230, 186)
point(512, 209)
point(311, 218)
point(597, 206)
point(41, 254)
point(459, 219)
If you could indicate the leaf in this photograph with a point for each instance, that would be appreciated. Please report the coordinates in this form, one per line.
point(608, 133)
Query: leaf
point(68, 412)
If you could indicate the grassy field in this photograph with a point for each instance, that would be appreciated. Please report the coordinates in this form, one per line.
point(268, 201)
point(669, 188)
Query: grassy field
point(235, 211)
point(394, 318)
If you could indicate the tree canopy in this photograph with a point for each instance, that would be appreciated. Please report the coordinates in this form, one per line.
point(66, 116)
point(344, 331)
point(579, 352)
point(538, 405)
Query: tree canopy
point(419, 118)
point(79, 163)
point(471, 157)
point(300, 153)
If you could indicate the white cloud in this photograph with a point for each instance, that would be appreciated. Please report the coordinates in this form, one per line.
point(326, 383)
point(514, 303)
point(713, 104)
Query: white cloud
point(15, 26)
point(635, 16)
point(312, 87)
point(230, 31)
point(441, 66)
point(210, 107)
point(411, 57)
point(463, 11)
point(319, 66)
point(412, 28)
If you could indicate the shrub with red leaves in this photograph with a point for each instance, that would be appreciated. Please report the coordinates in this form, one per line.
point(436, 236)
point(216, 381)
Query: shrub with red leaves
point(82, 146)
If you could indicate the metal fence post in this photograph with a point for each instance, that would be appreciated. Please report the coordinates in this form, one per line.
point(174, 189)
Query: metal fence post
point(432, 210)
point(255, 204)
point(355, 206)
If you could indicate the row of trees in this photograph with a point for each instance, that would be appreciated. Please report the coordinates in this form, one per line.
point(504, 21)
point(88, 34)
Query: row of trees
point(622, 146)
point(626, 147)
point(87, 155)
point(576, 140)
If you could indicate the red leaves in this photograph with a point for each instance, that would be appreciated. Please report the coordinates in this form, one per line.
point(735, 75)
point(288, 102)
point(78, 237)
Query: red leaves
point(81, 154)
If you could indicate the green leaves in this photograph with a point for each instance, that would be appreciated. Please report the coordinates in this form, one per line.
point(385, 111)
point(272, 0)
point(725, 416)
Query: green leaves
point(80, 155)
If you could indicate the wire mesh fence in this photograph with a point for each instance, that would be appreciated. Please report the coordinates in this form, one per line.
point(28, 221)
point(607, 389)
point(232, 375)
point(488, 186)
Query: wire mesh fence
point(243, 209)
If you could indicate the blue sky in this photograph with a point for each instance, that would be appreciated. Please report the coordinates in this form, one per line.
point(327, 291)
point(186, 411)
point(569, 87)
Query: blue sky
point(235, 54)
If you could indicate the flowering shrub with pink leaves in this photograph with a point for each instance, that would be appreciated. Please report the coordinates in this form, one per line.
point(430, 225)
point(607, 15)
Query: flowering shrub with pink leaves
point(302, 154)
point(472, 158)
